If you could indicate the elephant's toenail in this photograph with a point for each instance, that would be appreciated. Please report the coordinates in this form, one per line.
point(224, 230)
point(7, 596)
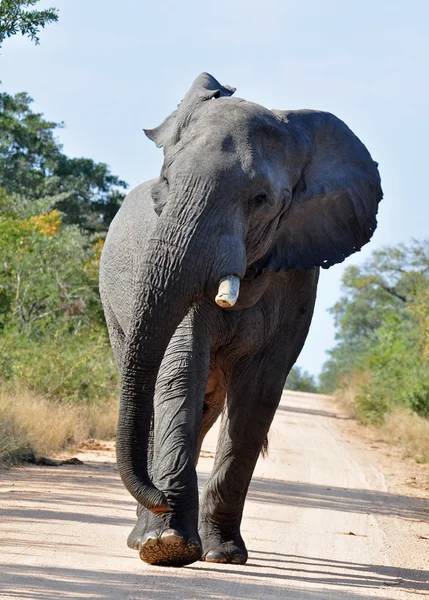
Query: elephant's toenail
point(172, 536)
point(238, 559)
point(215, 556)
point(149, 539)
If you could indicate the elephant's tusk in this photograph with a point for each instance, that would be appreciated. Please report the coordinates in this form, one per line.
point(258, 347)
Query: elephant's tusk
point(229, 288)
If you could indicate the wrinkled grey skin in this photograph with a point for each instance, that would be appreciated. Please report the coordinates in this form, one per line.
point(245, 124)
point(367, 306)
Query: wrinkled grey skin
point(268, 196)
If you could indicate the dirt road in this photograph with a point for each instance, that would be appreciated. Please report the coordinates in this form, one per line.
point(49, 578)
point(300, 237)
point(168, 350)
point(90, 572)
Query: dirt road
point(320, 523)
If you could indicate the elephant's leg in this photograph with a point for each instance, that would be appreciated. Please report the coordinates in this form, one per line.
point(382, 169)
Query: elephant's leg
point(172, 538)
point(253, 396)
point(254, 391)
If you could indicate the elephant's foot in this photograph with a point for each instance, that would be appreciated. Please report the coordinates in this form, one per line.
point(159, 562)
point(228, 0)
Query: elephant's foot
point(135, 538)
point(159, 542)
point(232, 551)
point(169, 548)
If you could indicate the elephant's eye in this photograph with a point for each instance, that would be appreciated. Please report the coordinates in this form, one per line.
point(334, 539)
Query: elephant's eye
point(164, 180)
point(259, 200)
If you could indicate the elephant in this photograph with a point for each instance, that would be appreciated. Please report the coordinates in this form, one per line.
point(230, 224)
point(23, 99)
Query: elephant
point(208, 281)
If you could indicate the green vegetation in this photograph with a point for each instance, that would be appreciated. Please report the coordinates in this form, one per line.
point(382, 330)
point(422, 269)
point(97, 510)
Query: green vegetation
point(382, 322)
point(54, 212)
point(300, 380)
point(34, 169)
point(16, 18)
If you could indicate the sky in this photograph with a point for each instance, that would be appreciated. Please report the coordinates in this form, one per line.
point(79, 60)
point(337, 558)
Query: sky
point(109, 68)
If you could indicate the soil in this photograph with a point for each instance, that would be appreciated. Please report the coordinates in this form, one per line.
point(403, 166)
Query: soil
point(332, 513)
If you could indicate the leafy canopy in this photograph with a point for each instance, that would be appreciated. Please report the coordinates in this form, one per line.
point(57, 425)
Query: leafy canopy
point(33, 166)
point(382, 322)
point(16, 18)
point(54, 212)
point(52, 331)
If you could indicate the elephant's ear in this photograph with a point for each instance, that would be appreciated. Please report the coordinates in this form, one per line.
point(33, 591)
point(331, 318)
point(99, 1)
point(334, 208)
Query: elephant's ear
point(161, 134)
point(205, 87)
point(335, 199)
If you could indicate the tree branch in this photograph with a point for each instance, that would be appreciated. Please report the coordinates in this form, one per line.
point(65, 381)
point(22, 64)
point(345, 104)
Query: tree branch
point(392, 292)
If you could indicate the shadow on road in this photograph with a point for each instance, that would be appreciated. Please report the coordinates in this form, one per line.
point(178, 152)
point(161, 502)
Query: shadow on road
point(333, 573)
point(68, 487)
point(310, 411)
point(309, 495)
point(358, 574)
point(77, 480)
point(25, 582)
point(306, 495)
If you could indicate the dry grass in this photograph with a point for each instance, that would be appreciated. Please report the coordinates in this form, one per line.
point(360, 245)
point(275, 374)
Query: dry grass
point(409, 431)
point(31, 422)
point(345, 396)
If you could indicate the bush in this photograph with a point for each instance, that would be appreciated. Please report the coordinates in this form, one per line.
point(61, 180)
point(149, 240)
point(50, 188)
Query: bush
point(58, 378)
point(408, 430)
point(54, 340)
point(383, 332)
point(371, 408)
point(76, 368)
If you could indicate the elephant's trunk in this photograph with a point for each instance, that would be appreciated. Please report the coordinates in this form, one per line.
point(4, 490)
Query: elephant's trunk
point(176, 267)
point(167, 290)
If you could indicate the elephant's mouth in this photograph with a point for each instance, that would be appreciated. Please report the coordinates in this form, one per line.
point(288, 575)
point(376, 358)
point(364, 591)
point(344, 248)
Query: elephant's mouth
point(253, 273)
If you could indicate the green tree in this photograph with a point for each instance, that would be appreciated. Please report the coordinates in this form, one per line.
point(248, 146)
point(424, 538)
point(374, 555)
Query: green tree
point(398, 370)
point(47, 279)
point(382, 323)
point(388, 283)
point(16, 18)
point(54, 211)
point(52, 332)
point(29, 151)
point(34, 167)
point(300, 380)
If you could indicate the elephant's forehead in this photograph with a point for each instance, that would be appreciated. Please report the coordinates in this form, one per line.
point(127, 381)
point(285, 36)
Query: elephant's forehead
point(234, 116)
point(235, 131)
point(228, 132)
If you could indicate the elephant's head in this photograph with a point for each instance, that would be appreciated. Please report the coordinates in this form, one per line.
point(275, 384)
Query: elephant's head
point(242, 190)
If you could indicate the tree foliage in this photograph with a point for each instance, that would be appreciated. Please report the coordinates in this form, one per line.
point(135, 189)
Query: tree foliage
point(51, 320)
point(382, 322)
point(46, 272)
point(15, 17)
point(34, 167)
point(54, 211)
point(300, 380)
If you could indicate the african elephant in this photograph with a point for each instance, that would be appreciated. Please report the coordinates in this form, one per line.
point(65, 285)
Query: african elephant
point(208, 281)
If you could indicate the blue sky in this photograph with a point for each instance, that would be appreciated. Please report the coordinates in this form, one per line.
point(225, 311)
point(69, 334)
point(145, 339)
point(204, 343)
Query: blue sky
point(108, 69)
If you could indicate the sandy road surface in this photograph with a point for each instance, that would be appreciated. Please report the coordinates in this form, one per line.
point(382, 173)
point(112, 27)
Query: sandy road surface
point(64, 529)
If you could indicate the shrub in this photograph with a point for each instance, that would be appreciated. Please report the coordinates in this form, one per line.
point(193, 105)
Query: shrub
point(75, 368)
